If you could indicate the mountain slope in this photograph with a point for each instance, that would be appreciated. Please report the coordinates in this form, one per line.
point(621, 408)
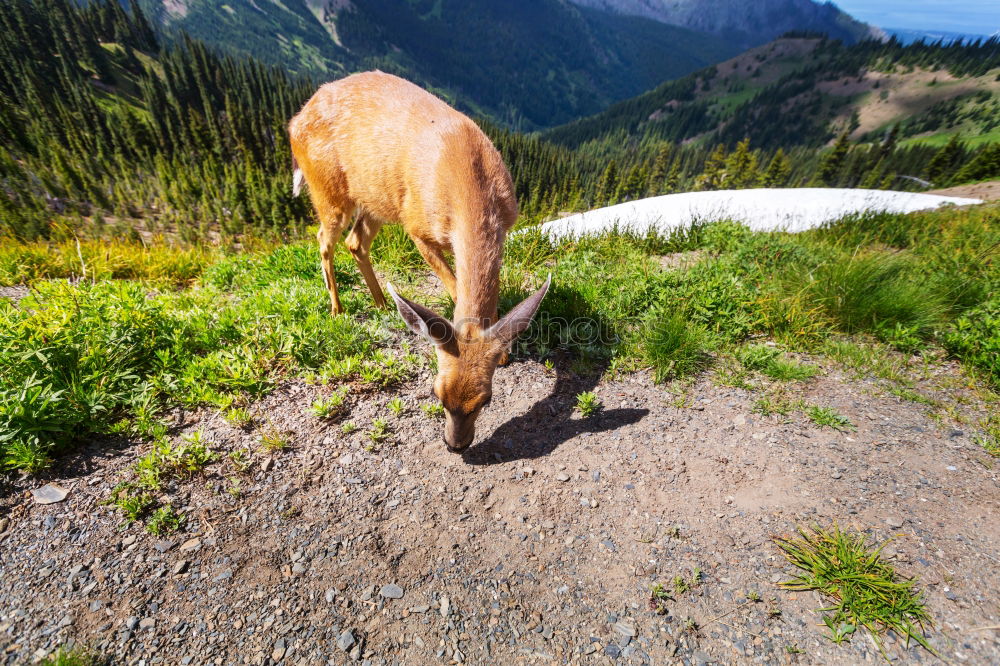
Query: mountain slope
point(528, 63)
point(745, 23)
point(805, 91)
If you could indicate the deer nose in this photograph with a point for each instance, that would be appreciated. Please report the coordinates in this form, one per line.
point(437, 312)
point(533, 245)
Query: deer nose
point(459, 446)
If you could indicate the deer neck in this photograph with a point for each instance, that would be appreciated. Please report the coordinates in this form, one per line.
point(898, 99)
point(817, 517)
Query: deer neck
point(478, 250)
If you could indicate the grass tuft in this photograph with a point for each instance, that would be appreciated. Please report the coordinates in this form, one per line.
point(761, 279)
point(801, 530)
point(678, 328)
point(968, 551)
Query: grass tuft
point(866, 591)
point(674, 348)
point(828, 417)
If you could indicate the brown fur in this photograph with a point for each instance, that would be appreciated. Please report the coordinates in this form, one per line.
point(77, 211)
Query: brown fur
point(377, 146)
point(381, 146)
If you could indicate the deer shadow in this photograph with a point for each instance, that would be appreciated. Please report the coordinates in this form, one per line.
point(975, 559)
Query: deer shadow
point(565, 322)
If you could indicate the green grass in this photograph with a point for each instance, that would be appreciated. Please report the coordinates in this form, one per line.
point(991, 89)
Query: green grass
point(432, 410)
point(164, 521)
point(827, 417)
point(77, 656)
point(191, 327)
point(770, 362)
point(330, 407)
point(865, 591)
point(397, 406)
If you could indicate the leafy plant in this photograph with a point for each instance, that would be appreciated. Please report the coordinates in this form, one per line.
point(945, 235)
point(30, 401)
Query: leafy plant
point(866, 591)
point(379, 431)
point(433, 410)
point(828, 417)
point(397, 406)
point(347, 427)
point(165, 520)
point(331, 407)
point(134, 505)
point(588, 404)
point(272, 439)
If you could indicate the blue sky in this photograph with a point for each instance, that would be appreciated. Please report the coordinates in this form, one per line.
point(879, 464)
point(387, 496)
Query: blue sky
point(972, 16)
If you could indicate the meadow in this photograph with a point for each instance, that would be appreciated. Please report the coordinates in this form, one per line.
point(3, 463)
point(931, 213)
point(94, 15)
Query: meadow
point(109, 335)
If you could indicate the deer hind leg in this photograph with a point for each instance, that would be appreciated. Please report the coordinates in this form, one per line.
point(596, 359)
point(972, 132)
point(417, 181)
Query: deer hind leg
point(434, 256)
point(330, 230)
point(359, 243)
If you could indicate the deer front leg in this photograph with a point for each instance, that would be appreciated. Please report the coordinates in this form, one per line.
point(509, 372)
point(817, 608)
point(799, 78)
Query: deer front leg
point(359, 243)
point(434, 257)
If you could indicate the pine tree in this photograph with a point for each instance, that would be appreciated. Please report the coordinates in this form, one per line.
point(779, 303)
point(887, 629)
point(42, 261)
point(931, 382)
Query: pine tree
point(829, 167)
point(778, 170)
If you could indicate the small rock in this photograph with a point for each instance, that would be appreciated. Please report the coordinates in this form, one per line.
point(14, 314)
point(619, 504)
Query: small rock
point(330, 595)
point(612, 651)
point(190, 544)
point(49, 494)
point(391, 591)
point(164, 546)
point(836, 475)
point(278, 653)
point(345, 641)
point(548, 525)
point(131, 623)
point(180, 567)
point(625, 628)
point(562, 476)
point(298, 568)
point(268, 464)
point(445, 606)
point(894, 522)
point(4, 522)
point(701, 657)
point(147, 623)
point(96, 605)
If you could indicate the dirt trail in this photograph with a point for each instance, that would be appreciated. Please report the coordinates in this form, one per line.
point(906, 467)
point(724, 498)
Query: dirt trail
point(987, 191)
point(538, 546)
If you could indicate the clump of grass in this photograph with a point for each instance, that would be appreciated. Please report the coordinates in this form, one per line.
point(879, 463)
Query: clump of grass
point(827, 417)
point(272, 439)
point(674, 347)
point(239, 416)
point(432, 410)
point(772, 363)
point(347, 427)
point(397, 406)
point(76, 656)
point(769, 404)
point(331, 407)
point(588, 404)
point(875, 292)
point(866, 592)
point(165, 520)
point(990, 439)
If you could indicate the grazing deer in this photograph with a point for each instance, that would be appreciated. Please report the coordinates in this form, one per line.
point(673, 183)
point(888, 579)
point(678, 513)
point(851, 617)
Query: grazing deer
point(382, 148)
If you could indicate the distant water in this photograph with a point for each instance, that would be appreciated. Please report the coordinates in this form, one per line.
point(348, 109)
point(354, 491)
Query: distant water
point(909, 36)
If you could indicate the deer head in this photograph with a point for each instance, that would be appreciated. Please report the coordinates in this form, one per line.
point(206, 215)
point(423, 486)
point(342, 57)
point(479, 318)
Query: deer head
point(467, 355)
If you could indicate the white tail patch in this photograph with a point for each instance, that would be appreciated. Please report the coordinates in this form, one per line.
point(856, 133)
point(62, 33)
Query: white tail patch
point(297, 179)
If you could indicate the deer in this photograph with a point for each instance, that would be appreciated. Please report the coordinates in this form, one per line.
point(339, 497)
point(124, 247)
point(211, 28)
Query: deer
point(384, 150)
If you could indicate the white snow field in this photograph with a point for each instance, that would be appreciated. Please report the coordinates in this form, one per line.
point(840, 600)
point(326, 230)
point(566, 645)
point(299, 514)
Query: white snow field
point(792, 209)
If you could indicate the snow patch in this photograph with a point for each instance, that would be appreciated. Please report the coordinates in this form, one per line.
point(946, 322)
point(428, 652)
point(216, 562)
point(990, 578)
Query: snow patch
point(794, 209)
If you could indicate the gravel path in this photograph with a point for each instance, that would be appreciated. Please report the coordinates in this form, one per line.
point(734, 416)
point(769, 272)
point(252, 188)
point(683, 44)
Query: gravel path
point(539, 545)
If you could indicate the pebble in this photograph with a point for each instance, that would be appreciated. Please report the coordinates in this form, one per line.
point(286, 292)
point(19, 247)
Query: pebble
point(180, 567)
point(345, 641)
point(562, 476)
point(894, 522)
point(278, 653)
point(445, 606)
point(147, 623)
point(625, 629)
point(190, 544)
point(391, 591)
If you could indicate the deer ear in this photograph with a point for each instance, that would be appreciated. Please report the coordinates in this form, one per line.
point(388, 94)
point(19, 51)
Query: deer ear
point(423, 321)
point(515, 322)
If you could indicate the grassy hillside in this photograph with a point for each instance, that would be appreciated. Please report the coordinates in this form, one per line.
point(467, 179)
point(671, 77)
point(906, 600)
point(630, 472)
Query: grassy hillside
point(526, 64)
point(807, 90)
point(110, 354)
